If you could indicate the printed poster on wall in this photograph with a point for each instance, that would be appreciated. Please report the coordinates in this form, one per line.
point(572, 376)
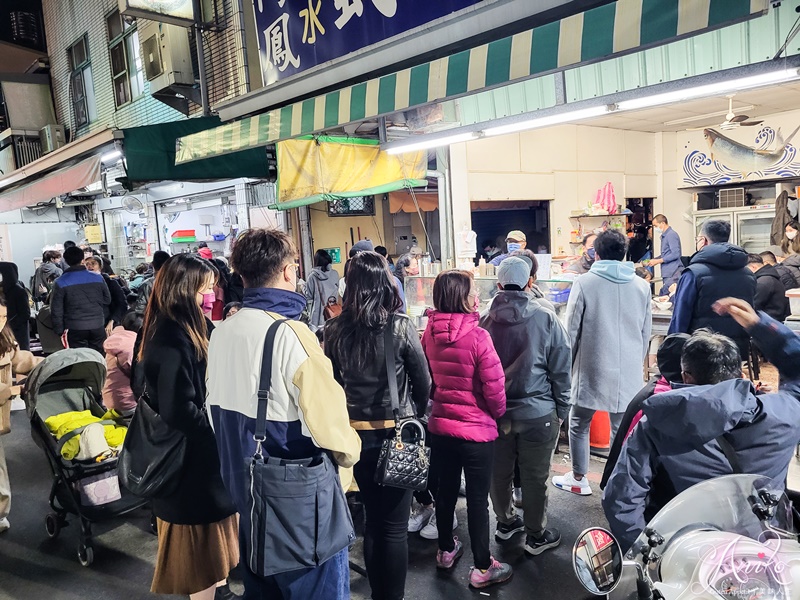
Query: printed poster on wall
point(295, 35)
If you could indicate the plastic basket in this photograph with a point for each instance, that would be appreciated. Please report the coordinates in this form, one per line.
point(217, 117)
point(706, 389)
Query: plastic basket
point(189, 238)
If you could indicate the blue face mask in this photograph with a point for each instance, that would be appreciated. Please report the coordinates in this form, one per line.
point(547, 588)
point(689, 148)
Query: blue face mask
point(513, 246)
point(591, 253)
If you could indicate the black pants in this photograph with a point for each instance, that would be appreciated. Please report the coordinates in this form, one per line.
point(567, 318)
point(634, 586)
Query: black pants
point(87, 338)
point(448, 457)
point(386, 530)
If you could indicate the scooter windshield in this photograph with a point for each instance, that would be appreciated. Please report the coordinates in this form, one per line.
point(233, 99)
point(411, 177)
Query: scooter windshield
point(729, 503)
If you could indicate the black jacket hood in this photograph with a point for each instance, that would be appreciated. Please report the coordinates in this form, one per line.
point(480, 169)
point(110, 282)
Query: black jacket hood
point(724, 256)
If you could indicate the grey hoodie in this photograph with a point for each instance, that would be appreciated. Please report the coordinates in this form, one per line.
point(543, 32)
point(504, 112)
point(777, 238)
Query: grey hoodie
point(320, 287)
point(535, 353)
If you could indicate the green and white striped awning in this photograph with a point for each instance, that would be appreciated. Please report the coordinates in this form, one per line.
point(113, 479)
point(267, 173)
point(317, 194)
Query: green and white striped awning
point(620, 26)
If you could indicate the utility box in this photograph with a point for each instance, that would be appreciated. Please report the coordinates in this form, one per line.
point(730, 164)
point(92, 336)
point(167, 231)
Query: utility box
point(166, 54)
point(51, 137)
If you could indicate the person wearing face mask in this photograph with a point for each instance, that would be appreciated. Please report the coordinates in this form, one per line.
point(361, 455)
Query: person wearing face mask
point(515, 240)
point(670, 259)
point(791, 240)
point(468, 396)
point(584, 263)
point(198, 541)
point(717, 270)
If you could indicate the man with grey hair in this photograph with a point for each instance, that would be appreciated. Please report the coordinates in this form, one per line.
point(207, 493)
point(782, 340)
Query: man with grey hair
point(717, 270)
point(534, 350)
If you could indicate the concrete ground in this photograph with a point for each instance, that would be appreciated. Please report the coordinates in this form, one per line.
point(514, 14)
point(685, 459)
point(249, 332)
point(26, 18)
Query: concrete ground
point(33, 567)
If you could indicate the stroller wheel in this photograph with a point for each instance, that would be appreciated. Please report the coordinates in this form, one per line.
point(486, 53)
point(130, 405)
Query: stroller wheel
point(53, 525)
point(85, 555)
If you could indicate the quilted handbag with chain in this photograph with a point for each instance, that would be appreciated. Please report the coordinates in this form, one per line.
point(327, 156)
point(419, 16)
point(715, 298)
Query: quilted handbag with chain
point(401, 464)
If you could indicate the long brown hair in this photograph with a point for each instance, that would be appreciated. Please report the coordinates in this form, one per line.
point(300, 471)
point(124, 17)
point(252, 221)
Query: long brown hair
point(174, 298)
point(451, 292)
point(7, 339)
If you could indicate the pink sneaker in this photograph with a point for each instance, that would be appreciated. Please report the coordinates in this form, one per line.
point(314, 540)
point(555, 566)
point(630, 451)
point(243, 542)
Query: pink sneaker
point(497, 573)
point(446, 560)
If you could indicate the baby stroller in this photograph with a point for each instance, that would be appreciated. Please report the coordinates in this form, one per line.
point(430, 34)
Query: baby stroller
point(72, 380)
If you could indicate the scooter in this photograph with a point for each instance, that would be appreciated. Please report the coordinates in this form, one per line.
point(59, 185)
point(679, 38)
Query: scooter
point(729, 538)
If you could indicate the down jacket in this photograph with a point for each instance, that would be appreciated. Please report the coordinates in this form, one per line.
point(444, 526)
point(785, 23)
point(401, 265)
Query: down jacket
point(792, 263)
point(680, 431)
point(468, 388)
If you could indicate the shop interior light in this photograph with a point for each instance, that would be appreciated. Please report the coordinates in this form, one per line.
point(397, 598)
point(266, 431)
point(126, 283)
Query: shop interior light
point(712, 89)
point(111, 157)
point(567, 117)
point(413, 146)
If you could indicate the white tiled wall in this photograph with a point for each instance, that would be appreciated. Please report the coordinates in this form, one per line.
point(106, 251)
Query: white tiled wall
point(66, 21)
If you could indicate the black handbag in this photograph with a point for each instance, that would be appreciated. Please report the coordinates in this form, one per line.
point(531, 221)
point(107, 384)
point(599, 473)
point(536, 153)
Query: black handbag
point(152, 457)
point(401, 464)
point(297, 515)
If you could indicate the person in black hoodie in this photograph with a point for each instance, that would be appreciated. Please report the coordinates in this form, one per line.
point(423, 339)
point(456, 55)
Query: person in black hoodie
point(18, 304)
point(717, 270)
point(788, 280)
point(770, 291)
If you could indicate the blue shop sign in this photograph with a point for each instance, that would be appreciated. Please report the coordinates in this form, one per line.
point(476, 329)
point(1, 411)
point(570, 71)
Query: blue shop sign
point(295, 35)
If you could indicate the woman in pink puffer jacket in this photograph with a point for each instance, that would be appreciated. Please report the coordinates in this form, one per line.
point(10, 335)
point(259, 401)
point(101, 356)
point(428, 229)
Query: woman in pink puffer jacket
point(468, 394)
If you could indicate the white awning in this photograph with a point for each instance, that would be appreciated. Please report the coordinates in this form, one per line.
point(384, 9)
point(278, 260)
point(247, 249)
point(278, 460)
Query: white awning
point(62, 181)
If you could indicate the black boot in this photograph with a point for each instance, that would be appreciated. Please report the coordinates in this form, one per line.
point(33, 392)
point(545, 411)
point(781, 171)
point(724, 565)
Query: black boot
point(224, 592)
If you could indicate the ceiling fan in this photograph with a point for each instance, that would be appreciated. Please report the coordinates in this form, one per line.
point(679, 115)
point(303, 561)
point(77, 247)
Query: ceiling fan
point(732, 120)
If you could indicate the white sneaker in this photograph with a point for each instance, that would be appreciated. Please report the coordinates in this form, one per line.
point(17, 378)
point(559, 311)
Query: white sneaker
point(568, 483)
point(431, 531)
point(17, 404)
point(4, 525)
point(419, 518)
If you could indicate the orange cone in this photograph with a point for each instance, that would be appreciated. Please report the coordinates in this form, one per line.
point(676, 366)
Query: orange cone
point(600, 431)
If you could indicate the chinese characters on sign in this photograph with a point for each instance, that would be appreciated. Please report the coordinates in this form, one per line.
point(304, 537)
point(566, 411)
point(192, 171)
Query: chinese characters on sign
point(295, 35)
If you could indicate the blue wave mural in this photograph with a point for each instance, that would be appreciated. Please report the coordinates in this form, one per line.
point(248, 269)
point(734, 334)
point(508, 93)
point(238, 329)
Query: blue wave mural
point(699, 168)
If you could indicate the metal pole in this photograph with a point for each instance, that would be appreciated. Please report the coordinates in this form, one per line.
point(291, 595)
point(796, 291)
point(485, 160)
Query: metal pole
point(201, 57)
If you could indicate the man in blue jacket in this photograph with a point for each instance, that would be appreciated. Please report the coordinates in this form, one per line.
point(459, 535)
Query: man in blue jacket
point(670, 259)
point(80, 300)
point(681, 431)
point(717, 270)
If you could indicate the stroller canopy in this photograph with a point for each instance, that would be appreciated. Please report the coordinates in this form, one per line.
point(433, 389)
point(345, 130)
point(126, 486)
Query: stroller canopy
point(73, 365)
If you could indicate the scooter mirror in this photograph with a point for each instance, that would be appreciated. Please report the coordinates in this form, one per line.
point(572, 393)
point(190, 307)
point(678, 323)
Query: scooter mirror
point(597, 560)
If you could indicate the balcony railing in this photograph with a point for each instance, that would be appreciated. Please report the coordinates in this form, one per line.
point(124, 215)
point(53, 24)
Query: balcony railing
point(18, 147)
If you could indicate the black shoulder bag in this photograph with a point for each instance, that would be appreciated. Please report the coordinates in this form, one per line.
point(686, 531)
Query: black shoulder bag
point(401, 464)
point(152, 455)
point(297, 514)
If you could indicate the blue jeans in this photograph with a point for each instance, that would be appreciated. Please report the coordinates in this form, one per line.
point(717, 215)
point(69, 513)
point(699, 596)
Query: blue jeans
point(329, 581)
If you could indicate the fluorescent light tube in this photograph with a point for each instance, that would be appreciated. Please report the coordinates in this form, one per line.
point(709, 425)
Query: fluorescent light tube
point(424, 144)
point(567, 117)
point(111, 157)
point(712, 89)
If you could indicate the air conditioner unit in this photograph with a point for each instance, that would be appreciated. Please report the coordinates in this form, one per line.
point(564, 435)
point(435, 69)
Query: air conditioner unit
point(52, 137)
point(731, 197)
point(166, 54)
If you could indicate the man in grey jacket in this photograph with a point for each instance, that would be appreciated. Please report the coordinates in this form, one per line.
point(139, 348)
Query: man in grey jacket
point(534, 350)
point(609, 321)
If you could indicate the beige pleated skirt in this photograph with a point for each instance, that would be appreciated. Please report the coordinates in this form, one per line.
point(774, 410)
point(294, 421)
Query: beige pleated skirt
point(192, 558)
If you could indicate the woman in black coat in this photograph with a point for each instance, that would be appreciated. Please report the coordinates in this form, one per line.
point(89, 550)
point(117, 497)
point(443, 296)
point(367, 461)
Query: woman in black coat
point(197, 524)
point(18, 303)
